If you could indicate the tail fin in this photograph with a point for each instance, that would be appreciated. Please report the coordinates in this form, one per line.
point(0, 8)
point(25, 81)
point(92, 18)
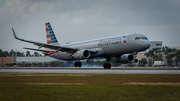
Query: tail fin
point(51, 38)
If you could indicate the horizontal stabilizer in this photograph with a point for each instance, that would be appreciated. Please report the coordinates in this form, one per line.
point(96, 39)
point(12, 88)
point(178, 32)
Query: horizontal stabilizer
point(37, 49)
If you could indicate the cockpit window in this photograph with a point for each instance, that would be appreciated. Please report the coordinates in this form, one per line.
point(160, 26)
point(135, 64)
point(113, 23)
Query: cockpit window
point(137, 38)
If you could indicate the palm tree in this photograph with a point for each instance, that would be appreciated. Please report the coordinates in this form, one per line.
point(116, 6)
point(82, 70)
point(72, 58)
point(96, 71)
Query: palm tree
point(20, 53)
point(36, 54)
point(28, 53)
point(6, 53)
point(11, 53)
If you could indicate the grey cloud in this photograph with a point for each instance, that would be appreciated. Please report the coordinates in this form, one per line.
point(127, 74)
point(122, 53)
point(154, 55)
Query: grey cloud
point(88, 19)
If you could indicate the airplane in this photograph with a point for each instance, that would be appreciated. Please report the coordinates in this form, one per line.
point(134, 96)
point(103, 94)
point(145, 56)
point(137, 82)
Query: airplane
point(123, 47)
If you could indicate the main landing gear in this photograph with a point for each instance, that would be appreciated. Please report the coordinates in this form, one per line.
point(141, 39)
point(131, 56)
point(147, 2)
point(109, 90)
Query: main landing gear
point(78, 64)
point(107, 65)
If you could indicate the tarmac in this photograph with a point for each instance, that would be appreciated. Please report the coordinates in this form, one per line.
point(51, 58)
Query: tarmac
point(90, 70)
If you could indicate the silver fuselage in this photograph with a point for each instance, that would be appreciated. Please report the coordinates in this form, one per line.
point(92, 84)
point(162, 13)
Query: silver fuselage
point(108, 47)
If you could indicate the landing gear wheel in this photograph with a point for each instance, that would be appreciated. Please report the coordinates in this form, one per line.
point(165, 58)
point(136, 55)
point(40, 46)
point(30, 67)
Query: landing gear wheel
point(75, 64)
point(107, 66)
point(78, 64)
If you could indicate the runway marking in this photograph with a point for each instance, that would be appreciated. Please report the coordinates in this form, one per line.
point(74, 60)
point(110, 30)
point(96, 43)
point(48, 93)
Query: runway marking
point(154, 84)
point(54, 83)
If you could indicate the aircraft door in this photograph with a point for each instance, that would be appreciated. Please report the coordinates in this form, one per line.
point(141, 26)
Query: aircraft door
point(128, 38)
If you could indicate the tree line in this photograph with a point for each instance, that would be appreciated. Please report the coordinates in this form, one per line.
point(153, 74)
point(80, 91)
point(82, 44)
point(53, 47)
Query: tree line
point(172, 56)
point(17, 53)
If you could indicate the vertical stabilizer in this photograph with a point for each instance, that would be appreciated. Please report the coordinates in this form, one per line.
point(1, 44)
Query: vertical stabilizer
point(51, 38)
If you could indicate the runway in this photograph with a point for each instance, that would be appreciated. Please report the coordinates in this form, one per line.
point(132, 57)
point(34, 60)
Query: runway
point(90, 70)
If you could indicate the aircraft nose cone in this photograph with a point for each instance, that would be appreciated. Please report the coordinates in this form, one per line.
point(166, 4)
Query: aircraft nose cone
point(147, 44)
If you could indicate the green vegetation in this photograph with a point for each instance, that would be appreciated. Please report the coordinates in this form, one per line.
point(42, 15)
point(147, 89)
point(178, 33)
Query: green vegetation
point(159, 57)
point(168, 50)
point(28, 53)
point(143, 62)
point(173, 57)
point(169, 58)
point(89, 87)
point(177, 56)
point(18, 53)
point(36, 54)
point(12, 52)
point(154, 53)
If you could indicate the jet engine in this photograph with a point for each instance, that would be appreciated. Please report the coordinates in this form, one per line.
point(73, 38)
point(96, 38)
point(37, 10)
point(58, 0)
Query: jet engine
point(81, 54)
point(126, 58)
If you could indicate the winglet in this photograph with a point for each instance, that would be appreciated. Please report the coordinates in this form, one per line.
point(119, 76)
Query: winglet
point(14, 34)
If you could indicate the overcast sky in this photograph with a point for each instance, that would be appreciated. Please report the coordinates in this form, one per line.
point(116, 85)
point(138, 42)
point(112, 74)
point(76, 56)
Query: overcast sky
point(76, 20)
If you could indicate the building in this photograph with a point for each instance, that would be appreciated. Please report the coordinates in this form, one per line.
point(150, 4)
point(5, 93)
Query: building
point(140, 56)
point(42, 59)
point(156, 44)
point(7, 60)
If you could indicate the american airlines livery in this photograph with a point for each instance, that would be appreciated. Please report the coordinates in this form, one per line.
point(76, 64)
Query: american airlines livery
point(123, 47)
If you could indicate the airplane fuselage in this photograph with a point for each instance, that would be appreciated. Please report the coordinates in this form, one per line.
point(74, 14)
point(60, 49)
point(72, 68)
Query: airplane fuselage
point(108, 47)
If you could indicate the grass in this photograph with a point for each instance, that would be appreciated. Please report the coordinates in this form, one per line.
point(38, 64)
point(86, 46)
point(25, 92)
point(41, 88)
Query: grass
point(93, 87)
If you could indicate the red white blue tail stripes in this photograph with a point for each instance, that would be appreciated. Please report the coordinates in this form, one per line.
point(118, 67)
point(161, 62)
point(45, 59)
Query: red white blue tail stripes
point(51, 38)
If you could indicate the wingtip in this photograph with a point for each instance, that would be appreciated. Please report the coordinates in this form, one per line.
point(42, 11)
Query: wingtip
point(14, 33)
point(13, 30)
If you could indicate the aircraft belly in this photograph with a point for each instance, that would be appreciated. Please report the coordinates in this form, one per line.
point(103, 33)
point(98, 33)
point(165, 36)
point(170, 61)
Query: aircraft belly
point(114, 50)
point(100, 53)
point(64, 56)
point(119, 49)
point(104, 52)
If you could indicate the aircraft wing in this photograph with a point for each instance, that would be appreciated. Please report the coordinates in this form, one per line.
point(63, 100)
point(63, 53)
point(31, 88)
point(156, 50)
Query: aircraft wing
point(37, 49)
point(55, 47)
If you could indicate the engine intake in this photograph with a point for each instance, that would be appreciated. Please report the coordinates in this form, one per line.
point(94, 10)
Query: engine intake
point(81, 54)
point(126, 58)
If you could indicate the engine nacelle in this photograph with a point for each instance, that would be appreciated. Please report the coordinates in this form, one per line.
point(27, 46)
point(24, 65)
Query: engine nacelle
point(126, 58)
point(81, 54)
